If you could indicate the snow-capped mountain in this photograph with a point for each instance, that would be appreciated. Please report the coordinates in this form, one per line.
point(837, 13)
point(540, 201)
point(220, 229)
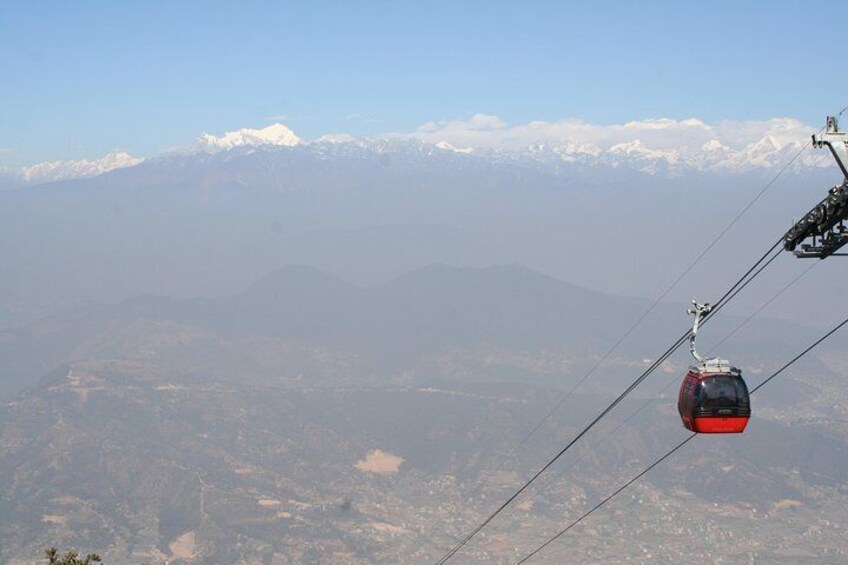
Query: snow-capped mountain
point(273, 135)
point(656, 147)
point(448, 147)
point(661, 147)
point(83, 168)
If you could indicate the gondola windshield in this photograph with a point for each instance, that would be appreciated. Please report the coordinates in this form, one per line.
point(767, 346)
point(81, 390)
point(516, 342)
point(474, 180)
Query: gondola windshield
point(721, 392)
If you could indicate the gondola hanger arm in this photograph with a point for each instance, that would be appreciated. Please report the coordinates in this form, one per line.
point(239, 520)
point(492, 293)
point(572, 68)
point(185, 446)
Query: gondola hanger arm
point(699, 311)
point(836, 141)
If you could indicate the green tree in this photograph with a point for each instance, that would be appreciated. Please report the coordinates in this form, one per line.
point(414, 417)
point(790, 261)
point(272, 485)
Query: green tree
point(70, 558)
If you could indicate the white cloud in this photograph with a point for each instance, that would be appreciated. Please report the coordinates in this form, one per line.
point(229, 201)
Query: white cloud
point(484, 131)
point(476, 123)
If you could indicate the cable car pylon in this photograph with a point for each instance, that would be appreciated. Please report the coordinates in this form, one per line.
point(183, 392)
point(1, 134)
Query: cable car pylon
point(824, 225)
point(713, 396)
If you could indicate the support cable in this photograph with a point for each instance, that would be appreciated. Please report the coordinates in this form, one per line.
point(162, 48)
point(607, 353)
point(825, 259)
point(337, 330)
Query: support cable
point(675, 448)
point(650, 401)
point(731, 293)
point(546, 418)
point(607, 499)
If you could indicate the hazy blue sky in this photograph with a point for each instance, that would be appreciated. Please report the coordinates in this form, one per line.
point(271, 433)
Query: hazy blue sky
point(83, 78)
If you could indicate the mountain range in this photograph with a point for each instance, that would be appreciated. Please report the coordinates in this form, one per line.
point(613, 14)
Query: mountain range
point(211, 219)
point(655, 147)
point(404, 324)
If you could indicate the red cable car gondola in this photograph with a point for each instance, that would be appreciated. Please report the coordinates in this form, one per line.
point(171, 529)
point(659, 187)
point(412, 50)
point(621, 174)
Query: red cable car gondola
point(713, 397)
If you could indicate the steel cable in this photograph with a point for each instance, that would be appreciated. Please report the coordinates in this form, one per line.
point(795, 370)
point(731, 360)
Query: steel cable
point(678, 446)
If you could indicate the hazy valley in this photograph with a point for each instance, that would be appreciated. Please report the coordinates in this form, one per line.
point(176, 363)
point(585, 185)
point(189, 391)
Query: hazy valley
point(305, 419)
point(326, 352)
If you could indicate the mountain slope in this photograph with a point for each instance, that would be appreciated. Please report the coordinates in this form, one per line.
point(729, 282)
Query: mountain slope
point(429, 313)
